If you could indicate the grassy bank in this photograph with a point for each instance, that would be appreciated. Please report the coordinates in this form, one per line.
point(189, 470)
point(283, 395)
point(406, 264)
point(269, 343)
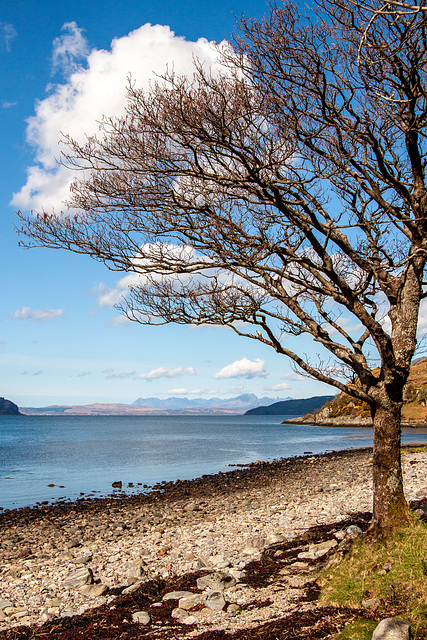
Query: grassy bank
point(389, 577)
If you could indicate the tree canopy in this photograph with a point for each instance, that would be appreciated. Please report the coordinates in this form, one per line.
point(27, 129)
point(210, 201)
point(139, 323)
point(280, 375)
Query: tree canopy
point(282, 195)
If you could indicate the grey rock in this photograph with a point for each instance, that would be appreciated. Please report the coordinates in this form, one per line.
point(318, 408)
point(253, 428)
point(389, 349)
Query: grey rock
point(215, 600)
point(422, 492)
point(5, 603)
point(392, 629)
point(83, 558)
point(190, 620)
point(135, 570)
point(216, 581)
point(78, 578)
point(353, 530)
point(141, 617)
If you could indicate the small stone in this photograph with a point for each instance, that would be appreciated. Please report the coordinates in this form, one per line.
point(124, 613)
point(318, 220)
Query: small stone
point(370, 603)
point(316, 551)
point(216, 581)
point(392, 629)
point(215, 601)
point(71, 544)
point(190, 620)
point(177, 595)
point(141, 617)
point(5, 603)
point(354, 531)
point(78, 578)
point(179, 614)
point(233, 609)
point(84, 558)
point(95, 590)
point(187, 602)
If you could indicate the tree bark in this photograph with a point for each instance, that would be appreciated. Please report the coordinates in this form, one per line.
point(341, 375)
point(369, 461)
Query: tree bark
point(390, 508)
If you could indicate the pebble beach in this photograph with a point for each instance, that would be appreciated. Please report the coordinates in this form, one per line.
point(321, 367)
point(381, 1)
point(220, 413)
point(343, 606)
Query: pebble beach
point(62, 560)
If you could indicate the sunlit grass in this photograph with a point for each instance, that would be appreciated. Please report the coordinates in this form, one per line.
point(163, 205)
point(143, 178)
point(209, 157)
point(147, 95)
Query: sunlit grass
point(390, 574)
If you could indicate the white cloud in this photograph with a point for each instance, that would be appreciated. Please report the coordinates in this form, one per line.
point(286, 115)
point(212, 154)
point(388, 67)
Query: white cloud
point(98, 88)
point(278, 387)
point(112, 375)
point(39, 315)
point(162, 372)
point(7, 33)
point(82, 374)
point(69, 49)
point(182, 391)
point(243, 368)
point(294, 376)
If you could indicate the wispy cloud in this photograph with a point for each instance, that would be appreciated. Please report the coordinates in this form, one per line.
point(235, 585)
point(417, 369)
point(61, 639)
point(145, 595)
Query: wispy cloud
point(112, 375)
point(7, 105)
point(69, 49)
point(7, 34)
point(82, 374)
point(294, 376)
point(243, 368)
point(39, 315)
point(162, 372)
point(182, 391)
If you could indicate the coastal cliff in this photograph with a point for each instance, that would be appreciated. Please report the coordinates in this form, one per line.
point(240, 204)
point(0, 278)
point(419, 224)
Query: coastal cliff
point(8, 408)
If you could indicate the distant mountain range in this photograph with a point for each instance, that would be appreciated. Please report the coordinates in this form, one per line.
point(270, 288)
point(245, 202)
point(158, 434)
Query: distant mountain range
point(157, 406)
point(238, 404)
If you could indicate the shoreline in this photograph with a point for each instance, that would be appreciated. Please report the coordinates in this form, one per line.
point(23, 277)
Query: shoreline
point(167, 490)
point(219, 522)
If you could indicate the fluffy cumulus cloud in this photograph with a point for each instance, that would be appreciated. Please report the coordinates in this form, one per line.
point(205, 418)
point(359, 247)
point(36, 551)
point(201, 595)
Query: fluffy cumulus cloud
point(243, 368)
point(92, 90)
point(282, 386)
point(39, 315)
point(162, 372)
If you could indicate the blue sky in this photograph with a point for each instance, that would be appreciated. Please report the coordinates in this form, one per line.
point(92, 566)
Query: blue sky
point(61, 341)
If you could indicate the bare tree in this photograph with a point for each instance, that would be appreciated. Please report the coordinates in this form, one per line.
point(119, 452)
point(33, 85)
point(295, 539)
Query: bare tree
point(283, 196)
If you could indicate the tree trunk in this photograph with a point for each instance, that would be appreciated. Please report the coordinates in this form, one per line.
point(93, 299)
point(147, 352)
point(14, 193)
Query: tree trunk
point(390, 508)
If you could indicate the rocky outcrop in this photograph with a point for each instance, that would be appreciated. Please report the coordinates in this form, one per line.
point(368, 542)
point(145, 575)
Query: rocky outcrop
point(8, 408)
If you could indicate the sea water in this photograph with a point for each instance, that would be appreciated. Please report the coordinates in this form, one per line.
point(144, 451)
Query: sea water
point(81, 456)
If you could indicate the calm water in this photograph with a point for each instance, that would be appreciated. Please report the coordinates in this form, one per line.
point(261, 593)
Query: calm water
point(83, 455)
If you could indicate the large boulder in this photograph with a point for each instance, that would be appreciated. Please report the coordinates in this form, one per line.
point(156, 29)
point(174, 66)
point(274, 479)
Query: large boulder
point(392, 629)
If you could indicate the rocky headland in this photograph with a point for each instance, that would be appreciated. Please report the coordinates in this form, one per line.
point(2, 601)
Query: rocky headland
point(227, 553)
point(8, 408)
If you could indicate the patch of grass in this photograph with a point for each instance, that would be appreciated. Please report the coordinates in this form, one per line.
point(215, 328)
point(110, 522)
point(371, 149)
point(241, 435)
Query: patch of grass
point(359, 630)
point(415, 449)
point(390, 574)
